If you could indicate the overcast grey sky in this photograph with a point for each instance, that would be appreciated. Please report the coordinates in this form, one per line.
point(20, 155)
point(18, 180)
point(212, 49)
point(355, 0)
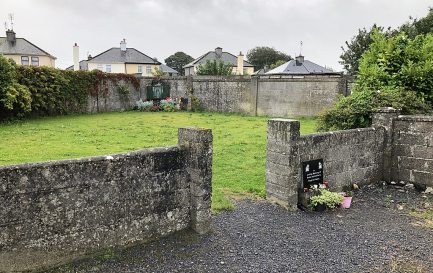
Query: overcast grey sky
point(161, 27)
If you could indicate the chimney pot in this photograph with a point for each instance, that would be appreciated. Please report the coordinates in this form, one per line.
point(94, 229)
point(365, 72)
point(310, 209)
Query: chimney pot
point(219, 52)
point(10, 36)
point(299, 59)
point(123, 45)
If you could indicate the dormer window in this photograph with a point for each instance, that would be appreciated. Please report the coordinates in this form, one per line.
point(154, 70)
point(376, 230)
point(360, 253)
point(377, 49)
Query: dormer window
point(35, 61)
point(25, 60)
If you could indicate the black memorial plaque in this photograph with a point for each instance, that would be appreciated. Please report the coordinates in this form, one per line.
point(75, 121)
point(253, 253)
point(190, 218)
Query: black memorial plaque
point(312, 172)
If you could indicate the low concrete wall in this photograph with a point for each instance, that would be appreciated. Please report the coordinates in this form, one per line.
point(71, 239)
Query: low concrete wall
point(52, 212)
point(412, 150)
point(398, 148)
point(302, 95)
point(352, 156)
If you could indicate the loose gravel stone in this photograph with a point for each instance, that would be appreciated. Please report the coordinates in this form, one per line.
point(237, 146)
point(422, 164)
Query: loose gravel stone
point(372, 236)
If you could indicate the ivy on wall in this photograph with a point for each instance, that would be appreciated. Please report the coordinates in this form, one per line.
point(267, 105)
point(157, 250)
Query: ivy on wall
point(41, 91)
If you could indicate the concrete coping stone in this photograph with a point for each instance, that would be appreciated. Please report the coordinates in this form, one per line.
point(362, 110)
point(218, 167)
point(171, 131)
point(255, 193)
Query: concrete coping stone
point(113, 157)
point(342, 132)
point(420, 118)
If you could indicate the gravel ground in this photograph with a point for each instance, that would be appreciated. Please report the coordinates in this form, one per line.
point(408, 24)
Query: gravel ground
point(375, 235)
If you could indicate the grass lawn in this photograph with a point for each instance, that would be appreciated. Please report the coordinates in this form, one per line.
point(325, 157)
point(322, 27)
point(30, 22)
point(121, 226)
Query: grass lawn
point(239, 142)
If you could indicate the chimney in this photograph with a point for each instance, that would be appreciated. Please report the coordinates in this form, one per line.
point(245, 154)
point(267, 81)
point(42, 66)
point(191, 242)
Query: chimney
point(299, 59)
point(10, 36)
point(76, 56)
point(218, 52)
point(240, 67)
point(89, 57)
point(123, 45)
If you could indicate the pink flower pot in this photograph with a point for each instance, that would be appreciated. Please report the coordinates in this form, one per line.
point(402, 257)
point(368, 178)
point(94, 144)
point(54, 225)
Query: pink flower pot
point(346, 202)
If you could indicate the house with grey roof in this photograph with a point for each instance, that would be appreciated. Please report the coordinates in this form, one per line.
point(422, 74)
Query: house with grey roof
point(300, 66)
point(117, 60)
point(240, 66)
point(23, 52)
point(168, 70)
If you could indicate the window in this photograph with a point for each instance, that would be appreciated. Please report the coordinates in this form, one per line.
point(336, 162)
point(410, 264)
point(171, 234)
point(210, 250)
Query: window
point(35, 61)
point(108, 68)
point(148, 70)
point(140, 69)
point(25, 60)
point(99, 67)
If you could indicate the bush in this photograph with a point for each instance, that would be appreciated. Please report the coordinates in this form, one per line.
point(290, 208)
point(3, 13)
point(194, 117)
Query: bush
point(15, 99)
point(356, 110)
point(144, 105)
point(29, 90)
point(395, 71)
point(168, 105)
point(328, 198)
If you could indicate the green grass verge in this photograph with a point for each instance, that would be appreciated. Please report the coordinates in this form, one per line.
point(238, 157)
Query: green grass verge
point(239, 142)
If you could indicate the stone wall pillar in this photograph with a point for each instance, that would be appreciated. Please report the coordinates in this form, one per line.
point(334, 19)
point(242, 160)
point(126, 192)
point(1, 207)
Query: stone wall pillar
point(282, 181)
point(384, 117)
point(198, 163)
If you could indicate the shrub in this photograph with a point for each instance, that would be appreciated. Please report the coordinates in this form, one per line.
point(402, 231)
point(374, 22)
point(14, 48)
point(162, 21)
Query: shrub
point(15, 99)
point(216, 68)
point(328, 198)
point(168, 105)
point(356, 110)
point(26, 90)
point(395, 71)
point(144, 105)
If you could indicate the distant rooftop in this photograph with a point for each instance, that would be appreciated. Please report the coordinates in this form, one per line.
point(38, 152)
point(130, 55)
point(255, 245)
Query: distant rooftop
point(300, 66)
point(116, 55)
point(218, 54)
point(20, 46)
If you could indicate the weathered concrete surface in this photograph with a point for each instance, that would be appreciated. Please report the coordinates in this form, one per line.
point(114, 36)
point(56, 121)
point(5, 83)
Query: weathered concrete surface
point(398, 148)
point(352, 156)
point(298, 95)
point(412, 150)
point(54, 211)
point(303, 95)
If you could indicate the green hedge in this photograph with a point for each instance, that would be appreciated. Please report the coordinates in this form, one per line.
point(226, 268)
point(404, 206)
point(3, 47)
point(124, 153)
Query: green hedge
point(40, 91)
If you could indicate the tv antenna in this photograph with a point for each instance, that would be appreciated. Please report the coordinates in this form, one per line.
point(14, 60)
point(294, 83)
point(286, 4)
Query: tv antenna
point(11, 19)
point(6, 26)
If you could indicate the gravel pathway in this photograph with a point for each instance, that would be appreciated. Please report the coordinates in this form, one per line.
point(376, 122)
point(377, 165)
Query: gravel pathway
point(375, 235)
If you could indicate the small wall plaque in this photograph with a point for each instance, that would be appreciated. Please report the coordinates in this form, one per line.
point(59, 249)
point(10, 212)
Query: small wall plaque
point(312, 173)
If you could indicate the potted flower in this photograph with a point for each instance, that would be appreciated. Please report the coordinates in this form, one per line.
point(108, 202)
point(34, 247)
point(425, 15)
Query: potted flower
point(325, 199)
point(347, 199)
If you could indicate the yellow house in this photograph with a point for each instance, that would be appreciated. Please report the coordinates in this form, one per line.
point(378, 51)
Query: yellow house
point(117, 60)
point(24, 52)
point(240, 66)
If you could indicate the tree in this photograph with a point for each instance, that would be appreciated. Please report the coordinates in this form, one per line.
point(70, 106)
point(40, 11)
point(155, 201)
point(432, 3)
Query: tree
point(215, 68)
point(356, 47)
point(262, 56)
point(178, 60)
point(277, 64)
point(418, 26)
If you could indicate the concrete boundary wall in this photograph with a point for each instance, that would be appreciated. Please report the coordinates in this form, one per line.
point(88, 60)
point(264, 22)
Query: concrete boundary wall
point(52, 212)
point(352, 156)
point(396, 148)
point(412, 150)
point(277, 96)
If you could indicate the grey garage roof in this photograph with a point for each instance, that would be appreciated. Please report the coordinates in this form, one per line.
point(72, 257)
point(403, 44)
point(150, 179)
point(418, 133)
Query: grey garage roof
point(20, 47)
point(83, 66)
point(131, 55)
point(167, 69)
point(211, 55)
point(300, 67)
